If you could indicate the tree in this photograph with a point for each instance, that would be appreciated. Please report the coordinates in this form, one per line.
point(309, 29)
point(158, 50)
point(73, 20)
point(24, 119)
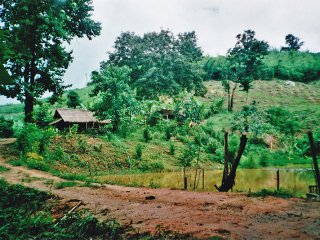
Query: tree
point(245, 61)
point(36, 35)
point(116, 99)
point(294, 43)
point(161, 63)
point(229, 172)
point(73, 99)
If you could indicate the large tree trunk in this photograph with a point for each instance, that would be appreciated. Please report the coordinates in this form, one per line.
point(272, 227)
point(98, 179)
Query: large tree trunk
point(28, 106)
point(30, 80)
point(228, 181)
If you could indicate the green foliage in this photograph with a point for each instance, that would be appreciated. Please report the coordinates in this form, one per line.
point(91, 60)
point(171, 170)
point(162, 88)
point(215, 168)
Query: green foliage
point(292, 65)
point(187, 156)
point(73, 99)
point(43, 115)
point(61, 185)
point(215, 107)
point(116, 99)
point(6, 128)
point(246, 58)
point(216, 68)
point(250, 119)
point(36, 35)
point(4, 169)
point(161, 63)
point(283, 120)
point(293, 42)
point(139, 148)
point(154, 185)
point(189, 110)
point(250, 161)
point(172, 148)
point(74, 129)
point(212, 146)
point(157, 166)
point(31, 138)
point(170, 130)
point(126, 128)
point(83, 146)
point(147, 135)
point(265, 193)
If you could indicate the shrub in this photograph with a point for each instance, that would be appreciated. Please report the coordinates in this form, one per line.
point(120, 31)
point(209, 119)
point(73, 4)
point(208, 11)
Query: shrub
point(74, 128)
point(215, 107)
point(61, 185)
point(212, 146)
point(57, 154)
point(151, 166)
point(4, 169)
point(249, 161)
point(6, 128)
point(172, 148)
point(30, 138)
point(83, 146)
point(265, 193)
point(168, 133)
point(146, 134)
point(264, 159)
point(43, 115)
point(125, 129)
point(139, 152)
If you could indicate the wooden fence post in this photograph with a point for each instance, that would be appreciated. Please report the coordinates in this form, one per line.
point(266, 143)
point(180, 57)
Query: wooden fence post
point(278, 180)
point(185, 181)
point(202, 178)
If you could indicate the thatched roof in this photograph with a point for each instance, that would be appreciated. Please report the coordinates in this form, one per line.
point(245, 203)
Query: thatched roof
point(76, 116)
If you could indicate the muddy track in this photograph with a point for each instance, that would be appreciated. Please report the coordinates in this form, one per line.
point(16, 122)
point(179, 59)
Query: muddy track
point(229, 215)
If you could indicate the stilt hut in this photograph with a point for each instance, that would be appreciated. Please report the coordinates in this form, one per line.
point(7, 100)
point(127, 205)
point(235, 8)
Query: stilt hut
point(65, 118)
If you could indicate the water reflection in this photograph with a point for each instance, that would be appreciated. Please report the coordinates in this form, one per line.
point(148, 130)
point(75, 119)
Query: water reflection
point(295, 181)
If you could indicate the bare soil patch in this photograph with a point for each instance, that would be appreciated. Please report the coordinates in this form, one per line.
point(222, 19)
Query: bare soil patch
point(229, 215)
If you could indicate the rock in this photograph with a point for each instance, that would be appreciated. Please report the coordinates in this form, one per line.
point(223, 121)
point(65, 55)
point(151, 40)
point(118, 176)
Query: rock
point(150, 197)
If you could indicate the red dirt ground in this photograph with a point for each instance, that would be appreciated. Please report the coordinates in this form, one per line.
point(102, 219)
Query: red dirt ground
point(228, 215)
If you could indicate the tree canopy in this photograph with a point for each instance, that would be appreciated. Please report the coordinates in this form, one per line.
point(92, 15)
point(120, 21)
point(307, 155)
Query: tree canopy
point(116, 100)
point(293, 43)
point(245, 63)
point(246, 58)
point(36, 56)
point(161, 63)
point(73, 99)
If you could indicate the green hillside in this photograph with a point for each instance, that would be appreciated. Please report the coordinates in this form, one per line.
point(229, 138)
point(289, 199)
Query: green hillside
point(301, 98)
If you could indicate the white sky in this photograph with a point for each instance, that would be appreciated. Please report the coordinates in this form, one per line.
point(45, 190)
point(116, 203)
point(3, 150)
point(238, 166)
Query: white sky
point(216, 23)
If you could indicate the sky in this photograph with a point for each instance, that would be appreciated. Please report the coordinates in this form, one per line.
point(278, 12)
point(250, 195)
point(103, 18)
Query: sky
point(216, 23)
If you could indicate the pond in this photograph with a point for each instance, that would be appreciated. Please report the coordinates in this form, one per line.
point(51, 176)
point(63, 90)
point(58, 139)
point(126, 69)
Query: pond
point(295, 181)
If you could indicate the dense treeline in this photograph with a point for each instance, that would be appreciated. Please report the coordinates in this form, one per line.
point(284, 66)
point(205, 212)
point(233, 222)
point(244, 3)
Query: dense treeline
point(286, 65)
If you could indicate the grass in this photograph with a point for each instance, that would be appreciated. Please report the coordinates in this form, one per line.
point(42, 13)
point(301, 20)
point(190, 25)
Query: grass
point(4, 169)
point(265, 193)
point(61, 185)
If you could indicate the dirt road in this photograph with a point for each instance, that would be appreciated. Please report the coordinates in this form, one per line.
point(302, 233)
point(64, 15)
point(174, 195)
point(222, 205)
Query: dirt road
point(229, 215)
